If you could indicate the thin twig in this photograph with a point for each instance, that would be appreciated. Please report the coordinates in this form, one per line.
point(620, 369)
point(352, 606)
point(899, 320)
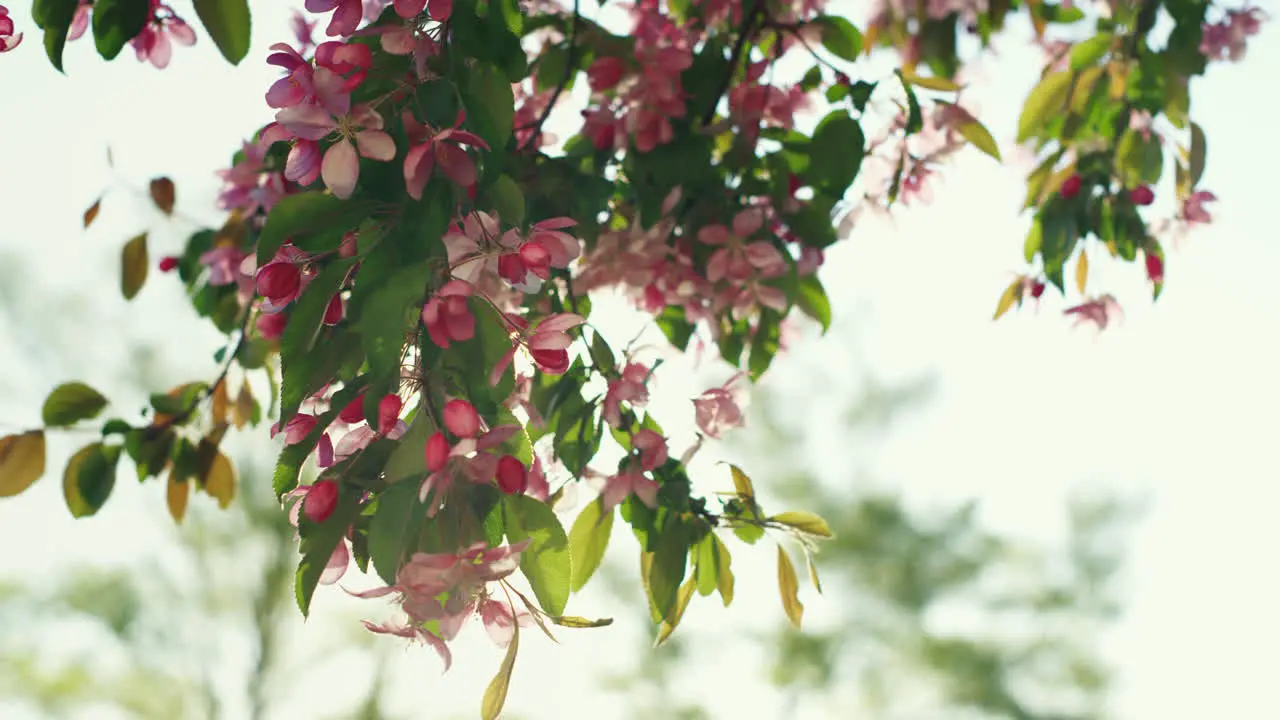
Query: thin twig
point(569, 67)
point(738, 48)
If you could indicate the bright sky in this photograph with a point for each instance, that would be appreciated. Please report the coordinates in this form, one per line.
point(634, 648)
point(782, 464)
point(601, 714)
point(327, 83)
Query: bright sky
point(1177, 404)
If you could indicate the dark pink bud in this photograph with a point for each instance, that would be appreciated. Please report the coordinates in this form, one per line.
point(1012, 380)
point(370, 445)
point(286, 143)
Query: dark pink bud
point(1155, 268)
point(349, 246)
point(334, 312)
point(168, 263)
point(1037, 289)
point(1142, 195)
point(271, 325)
point(513, 477)
point(388, 413)
point(537, 259)
point(437, 452)
point(552, 362)
point(279, 282)
point(320, 500)
point(511, 268)
point(1071, 187)
point(353, 412)
point(461, 418)
point(605, 73)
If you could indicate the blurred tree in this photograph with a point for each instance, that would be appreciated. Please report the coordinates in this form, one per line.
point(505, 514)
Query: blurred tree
point(936, 617)
point(158, 644)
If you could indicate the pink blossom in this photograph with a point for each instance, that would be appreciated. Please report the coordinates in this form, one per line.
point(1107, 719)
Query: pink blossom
point(1193, 210)
point(719, 409)
point(224, 263)
point(347, 14)
point(1100, 311)
point(1226, 40)
point(627, 482)
point(430, 148)
point(550, 341)
point(303, 30)
point(438, 10)
point(320, 502)
point(389, 413)
point(297, 429)
point(359, 134)
point(736, 259)
point(629, 387)
point(446, 315)
point(652, 448)
point(162, 28)
point(80, 21)
point(8, 38)
point(271, 325)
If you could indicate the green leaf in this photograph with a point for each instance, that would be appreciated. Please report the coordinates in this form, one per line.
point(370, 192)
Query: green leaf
point(1088, 52)
point(672, 621)
point(836, 152)
point(306, 318)
point(789, 588)
point(89, 478)
point(116, 22)
point(492, 107)
point(915, 120)
point(317, 544)
point(670, 559)
point(708, 564)
point(133, 266)
point(588, 539)
point(228, 24)
point(69, 403)
point(508, 200)
point(546, 562)
point(1045, 102)
point(393, 532)
point(1139, 159)
point(805, 522)
point(839, 36)
point(812, 299)
point(385, 316)
point(313, 220)
point(495, 696)
point(55, 17)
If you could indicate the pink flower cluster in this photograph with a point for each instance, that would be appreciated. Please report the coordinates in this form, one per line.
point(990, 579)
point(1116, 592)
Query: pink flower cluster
point(636, 99)
point(9, 39)
point(1226, 39)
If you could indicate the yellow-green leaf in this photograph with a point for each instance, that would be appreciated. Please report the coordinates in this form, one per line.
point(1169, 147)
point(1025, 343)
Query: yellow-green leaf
point(21, 461)
point(133, 266)
point(177, 493)
point(1196, 157)
point(1045, 100)
point(813, 573)
point(495, 696)
point(92, 213)
point(573, 621)
point(724, 574)
point(163, 194)
point(805, 522)
point(669, 625)
point(69, 403)
point(220, 483)
point(980, 137)
point(1009, 297)
point(705, 569)
point(1082, 271)
point(588, 539)
point(930, 83)
point(789, 588)
point(742, 483)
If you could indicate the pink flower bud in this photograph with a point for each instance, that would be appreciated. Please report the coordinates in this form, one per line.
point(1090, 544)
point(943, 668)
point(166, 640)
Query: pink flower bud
point(168, 263)
point(1142, 195)
point(461, 418)
point(437, 452)
point(320, 501)
point(1037, 289)
point(552, 362)
point(388, 413)
point(349, 247)
point(513, 477)
point(279, 282)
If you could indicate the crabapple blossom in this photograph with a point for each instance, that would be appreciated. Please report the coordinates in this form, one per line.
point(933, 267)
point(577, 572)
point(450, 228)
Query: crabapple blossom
point(318, 504)
point(347, 14)
point(1193, 211)
point(1100, 311)
point(359, 134)
point(430, 148)
point(719, 409)
point(163, 28)
point(446, 315)
point(9, 39)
